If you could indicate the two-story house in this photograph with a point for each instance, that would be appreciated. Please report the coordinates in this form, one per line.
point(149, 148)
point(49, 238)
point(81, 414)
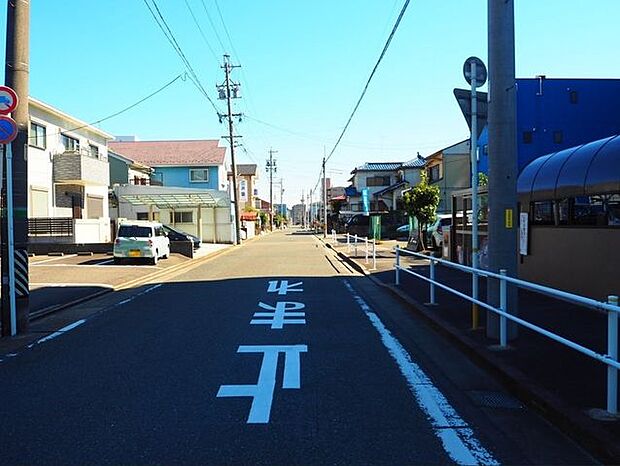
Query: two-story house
point(68, 177)
point(450, 170)
point(375, 177)
point(124, 170)
point(196, 164)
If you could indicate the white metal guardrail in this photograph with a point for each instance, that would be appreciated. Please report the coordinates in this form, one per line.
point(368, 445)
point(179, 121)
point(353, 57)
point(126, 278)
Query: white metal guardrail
point(353, 241)
point(610, 307)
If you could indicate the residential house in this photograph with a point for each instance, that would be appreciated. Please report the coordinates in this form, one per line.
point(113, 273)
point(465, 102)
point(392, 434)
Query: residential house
point(450, 170)
point(247, 176)
point(195, 164)
point(376, 177)
point(297, 214)
point(124, 170)
point(68, 177)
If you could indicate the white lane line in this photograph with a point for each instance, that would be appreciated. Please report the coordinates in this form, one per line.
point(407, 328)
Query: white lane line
point(142, 293)
point(456, 436)
point(109, 261)
point(35, 262)
point(61, 331)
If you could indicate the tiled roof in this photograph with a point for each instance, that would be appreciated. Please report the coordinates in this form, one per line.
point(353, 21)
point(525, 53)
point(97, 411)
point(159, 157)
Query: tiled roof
point(418, 162)
point(380, 166)
point(158, 153)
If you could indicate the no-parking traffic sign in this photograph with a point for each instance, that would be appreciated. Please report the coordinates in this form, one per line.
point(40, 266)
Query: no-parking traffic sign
point(8, 129)
point(8, 100)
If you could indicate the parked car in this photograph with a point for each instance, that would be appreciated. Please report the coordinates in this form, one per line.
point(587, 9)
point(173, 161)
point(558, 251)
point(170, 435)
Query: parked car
point(359, 225)
point(179, 235)
point(139, 239)
point(434, 233)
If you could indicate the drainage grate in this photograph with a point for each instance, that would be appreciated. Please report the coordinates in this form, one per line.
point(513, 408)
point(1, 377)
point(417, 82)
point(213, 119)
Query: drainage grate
point(492, 399)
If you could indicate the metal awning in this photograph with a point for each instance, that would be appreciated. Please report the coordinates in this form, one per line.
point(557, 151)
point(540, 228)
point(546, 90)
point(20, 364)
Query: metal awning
point(390, 188)
point(178, 200)
point(589, 169)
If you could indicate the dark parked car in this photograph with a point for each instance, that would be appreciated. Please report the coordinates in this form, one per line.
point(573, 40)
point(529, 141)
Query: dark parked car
point(360, 225)
point(178, 235)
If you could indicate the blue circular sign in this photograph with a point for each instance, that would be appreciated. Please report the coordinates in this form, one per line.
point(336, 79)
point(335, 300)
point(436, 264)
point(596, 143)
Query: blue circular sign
point(8, 129)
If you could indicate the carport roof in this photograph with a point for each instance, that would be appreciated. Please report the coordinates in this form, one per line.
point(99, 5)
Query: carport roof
point(178, 200)
point(585, 170)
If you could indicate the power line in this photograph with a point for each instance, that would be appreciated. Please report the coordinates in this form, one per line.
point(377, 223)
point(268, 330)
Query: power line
point(163, 25)
point(201, 31)
point(213, 26)
point(219, 12)
point(359, 101)
point(115, 114)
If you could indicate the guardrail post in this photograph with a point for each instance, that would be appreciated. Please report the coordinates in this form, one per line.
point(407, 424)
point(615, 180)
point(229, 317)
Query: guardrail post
point(355, 237)
point(348, 242)
point(366, 241)
point(503, 299)
point(397, 267)
point(334, 235)
point(432, 283)
point(374, 254)
point(612, 353)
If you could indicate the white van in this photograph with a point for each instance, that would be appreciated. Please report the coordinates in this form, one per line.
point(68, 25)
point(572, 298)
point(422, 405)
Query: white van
point(139, 239)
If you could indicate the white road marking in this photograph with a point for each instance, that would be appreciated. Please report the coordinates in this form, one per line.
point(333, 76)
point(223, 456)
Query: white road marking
point(283, 288)
point(142, 293)
point(281, 314)
point(61, 331)
point(262, 391)
point(35, 262)
point(456, 436)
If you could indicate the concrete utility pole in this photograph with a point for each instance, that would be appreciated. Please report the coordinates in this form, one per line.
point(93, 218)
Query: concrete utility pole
point(502, 157)
point(271, 168)
point(282, 213)
point(324, 198)
point(17, 76)
point(231, 138)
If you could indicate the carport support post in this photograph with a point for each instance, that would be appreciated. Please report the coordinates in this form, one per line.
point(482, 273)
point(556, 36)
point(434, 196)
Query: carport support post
point(199, 217)
point(150, 212)
point(214, 225)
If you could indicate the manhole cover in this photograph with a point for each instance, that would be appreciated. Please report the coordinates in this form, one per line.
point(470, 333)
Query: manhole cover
point(492, 399)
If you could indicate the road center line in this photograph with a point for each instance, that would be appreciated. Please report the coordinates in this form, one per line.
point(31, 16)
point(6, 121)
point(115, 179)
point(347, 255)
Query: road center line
point(456, 436)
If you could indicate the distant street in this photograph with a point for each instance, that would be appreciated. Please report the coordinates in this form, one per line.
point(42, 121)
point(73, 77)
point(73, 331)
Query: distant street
point(272, 353)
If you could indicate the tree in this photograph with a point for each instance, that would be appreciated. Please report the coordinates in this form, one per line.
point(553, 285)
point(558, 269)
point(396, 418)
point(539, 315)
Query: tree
point(421, 202)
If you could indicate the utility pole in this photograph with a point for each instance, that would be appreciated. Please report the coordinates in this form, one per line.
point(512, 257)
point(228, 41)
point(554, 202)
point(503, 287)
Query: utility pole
point(502, 157)
point(303, 209)
point(283, 214)
point(324, 198)
point(17, 77)
point(271, 168)
point(225, 93)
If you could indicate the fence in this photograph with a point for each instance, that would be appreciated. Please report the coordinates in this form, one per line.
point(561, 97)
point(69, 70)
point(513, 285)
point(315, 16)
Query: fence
point(353, 241)
point(50, 226)
point(610, 307)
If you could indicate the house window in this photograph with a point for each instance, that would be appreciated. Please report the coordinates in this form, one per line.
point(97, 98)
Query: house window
point(528, 136)
point(142, 215)
point(199, 175)
point(182, 217)
point(93, 151)
point(94, 206)
point(542, 213)
point(377, 181)
point(434, 173)
point(573, 97)
point(71, 144)
point(558, 137)
point(38, 135)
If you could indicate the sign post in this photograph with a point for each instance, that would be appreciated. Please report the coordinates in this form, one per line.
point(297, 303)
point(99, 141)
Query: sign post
point(8, 133)
point(475, 73)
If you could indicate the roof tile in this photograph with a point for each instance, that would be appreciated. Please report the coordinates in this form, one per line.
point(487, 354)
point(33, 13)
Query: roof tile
point(187, 152)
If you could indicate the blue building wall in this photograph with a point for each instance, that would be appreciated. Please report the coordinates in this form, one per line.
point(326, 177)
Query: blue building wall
point(545, 110)
point(178, 177)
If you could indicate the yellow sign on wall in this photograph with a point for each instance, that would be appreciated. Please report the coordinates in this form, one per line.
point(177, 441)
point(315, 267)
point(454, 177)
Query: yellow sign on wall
point(508, 218)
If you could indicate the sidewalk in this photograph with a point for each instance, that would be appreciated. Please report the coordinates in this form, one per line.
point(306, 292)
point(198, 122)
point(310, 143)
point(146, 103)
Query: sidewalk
point(558, 381)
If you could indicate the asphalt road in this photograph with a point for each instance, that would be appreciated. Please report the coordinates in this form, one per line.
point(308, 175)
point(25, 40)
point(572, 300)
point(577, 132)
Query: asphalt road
point(204, 369)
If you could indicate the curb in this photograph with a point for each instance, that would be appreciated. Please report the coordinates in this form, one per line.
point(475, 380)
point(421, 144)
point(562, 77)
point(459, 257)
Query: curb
point(586, 432)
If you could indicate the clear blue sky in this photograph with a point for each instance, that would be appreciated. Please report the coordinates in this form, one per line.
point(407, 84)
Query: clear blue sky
point(304, 65)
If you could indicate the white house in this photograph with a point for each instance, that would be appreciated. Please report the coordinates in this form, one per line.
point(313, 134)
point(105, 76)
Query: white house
point(68, 176)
